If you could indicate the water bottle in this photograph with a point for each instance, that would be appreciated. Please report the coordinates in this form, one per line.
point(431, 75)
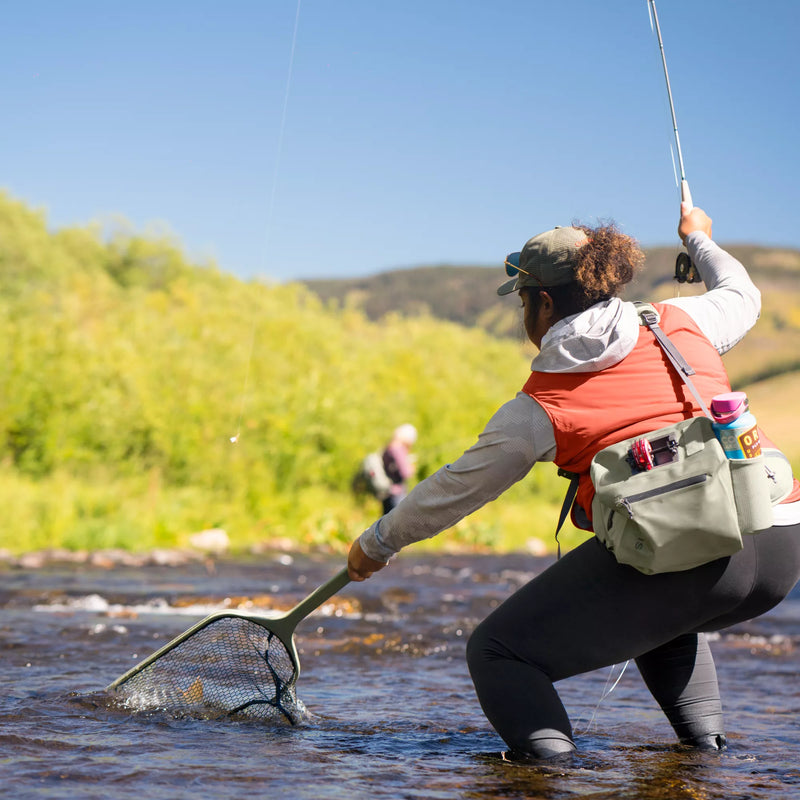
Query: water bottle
point(735, 426)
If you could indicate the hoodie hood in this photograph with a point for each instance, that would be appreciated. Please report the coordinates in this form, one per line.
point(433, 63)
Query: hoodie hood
point(590, 341)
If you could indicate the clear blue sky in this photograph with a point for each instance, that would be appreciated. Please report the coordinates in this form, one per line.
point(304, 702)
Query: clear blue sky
point(415, 131)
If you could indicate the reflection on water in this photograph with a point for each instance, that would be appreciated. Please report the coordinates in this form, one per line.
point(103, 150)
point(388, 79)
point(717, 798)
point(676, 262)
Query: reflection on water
point(392, 711)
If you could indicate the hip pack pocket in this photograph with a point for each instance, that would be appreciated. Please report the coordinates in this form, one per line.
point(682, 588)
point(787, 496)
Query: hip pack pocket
point(750, 479)
point(674, 516)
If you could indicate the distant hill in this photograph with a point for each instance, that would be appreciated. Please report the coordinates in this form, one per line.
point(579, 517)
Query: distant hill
point(462, 294)
point(466, 295)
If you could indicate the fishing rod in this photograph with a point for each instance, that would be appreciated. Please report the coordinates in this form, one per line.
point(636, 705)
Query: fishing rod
point(685, 270)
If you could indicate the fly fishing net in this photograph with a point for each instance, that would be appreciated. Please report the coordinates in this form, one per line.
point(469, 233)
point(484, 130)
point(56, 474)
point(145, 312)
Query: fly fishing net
point(231, 666)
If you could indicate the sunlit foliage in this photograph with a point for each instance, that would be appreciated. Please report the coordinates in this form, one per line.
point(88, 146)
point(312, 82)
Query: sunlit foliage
point(125, 372)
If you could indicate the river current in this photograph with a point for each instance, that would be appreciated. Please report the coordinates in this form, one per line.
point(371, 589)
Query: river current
point(391, 709)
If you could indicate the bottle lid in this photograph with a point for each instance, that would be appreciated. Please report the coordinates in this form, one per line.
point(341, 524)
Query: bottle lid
point(727, 407)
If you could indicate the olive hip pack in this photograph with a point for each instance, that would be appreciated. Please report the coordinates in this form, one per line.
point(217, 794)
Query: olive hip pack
point(687, 510)
point(672, 500)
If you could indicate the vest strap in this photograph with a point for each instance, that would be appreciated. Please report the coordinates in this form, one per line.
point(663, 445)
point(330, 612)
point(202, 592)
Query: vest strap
point(569, 499)
point(682, 366)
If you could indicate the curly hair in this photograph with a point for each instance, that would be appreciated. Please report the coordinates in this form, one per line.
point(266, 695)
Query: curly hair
point(608, 261)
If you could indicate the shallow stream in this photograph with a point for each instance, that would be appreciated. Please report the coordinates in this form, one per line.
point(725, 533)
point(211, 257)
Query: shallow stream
point(392, 710)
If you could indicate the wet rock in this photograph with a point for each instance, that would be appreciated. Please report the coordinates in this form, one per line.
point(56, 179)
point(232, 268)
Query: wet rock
point(536, 547)
point(170, 558)
point(113, 557)
point(262, 602)
point(278, 544)
point(35, 560)
point(107, 558)
point(341, 607)
point(396, 596)
point(39, 558)
point(213, 540)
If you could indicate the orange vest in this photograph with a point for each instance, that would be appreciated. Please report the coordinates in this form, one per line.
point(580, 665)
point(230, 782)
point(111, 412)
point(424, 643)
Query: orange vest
point(638, 395)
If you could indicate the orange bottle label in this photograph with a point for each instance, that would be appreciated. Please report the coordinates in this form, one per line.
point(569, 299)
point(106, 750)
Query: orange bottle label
point(750, 442)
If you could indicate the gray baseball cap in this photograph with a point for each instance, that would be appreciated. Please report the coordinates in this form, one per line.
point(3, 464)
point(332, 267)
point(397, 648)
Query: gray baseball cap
point(548, 259)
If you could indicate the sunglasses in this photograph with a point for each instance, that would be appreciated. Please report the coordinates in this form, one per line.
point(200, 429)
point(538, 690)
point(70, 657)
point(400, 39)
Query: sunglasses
point(512, 265)
point(513, 268)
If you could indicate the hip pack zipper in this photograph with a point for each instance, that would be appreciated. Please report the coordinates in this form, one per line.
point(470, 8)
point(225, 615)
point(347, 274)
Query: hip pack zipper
point(627, 502)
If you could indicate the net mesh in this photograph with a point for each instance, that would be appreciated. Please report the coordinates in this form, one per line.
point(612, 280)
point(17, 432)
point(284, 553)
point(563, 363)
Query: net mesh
point(230, 667)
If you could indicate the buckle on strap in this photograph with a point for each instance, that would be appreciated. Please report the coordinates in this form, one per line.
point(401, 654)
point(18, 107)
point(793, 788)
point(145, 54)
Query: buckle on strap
point(649, 318)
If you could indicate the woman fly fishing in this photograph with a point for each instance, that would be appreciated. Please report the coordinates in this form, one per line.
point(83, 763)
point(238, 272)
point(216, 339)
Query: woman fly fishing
point(599, 378)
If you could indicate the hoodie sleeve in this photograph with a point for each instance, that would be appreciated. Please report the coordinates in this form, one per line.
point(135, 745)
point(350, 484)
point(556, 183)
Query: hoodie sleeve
point(516, 437)
point(732, 303)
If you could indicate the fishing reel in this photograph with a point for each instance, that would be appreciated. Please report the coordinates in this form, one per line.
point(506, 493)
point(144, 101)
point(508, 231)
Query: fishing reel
point(685, 270)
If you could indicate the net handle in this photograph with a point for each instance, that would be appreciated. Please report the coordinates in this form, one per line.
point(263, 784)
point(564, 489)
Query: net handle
point(317, 598)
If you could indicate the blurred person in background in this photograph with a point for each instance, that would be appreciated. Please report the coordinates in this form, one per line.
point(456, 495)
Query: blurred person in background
point(399, 464)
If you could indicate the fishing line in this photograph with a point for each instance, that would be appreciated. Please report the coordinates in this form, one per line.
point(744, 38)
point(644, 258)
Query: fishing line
point(666, 100)
point(674, 166)
point(605, 693)
point(270, 214)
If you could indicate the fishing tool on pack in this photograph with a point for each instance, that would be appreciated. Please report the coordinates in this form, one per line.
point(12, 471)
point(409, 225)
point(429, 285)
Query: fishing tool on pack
point(230, 664)
point(685, 270)
point(644, 454)
point(641, 455)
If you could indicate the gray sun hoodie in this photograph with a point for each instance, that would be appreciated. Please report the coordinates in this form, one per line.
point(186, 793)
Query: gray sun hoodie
point(520, 433)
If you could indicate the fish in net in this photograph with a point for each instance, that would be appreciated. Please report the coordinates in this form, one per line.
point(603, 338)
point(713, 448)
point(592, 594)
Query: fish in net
point(232, 665)
point(229, 664)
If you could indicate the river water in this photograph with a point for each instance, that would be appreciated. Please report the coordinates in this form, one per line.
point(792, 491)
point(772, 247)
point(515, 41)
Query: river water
point(392, 713)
